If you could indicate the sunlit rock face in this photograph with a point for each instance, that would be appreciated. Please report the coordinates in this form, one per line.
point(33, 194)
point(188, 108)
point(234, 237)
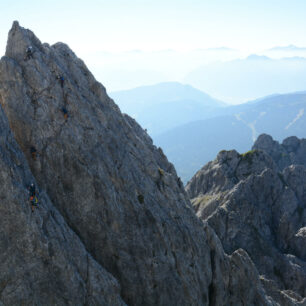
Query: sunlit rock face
point(114, 224)
point(256, 201)
point(292, 151)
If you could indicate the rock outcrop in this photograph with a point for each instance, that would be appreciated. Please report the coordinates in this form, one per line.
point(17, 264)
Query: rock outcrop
point(254, 204)
point(291, 152)
point(109, 200)
point(43, 262)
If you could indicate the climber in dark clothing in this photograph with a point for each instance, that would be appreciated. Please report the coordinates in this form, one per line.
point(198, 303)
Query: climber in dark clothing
point(32, 190)
point(29, 52)
point(33, 152)
point(61, 79)
point(65, 112)
point(33, 198)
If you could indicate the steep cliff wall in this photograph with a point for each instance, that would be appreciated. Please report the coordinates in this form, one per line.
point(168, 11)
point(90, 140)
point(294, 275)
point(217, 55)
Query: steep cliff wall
point(115, 190)
point(252, 204)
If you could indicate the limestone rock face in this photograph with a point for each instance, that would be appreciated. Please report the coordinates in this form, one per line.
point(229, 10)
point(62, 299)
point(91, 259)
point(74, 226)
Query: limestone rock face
point(114, 192)
point(235, 280)
point(43, 262)
point(228, 169)
point(253, 206)
point(291, 151)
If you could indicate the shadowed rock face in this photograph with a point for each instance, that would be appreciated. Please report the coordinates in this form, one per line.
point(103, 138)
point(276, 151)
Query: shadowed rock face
point(118, 194)
point(252, 205)
point(116, 191)
point(42, 261)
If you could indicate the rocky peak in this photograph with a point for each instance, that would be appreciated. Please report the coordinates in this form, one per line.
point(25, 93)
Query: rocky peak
point(265, 141)
point(227, 170)
point(253, 205)
point(110, 200)
point(19, 39)
point(104, 177)
point(291, 151)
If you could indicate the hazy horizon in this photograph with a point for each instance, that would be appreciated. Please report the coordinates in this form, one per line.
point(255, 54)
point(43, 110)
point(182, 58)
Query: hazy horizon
point(137, 43)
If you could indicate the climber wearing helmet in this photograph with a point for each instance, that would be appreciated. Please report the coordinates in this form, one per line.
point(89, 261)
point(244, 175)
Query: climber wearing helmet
point(33, 198)
point(61, 79)
point(65, 112)
point(29, 52)
point(32, 190)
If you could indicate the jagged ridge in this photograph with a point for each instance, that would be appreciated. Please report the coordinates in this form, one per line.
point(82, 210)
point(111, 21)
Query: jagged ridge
point(253, 203)
point(114, 189)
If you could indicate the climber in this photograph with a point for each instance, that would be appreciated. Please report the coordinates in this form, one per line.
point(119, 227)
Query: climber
point(29, 53)
point(34, 202)
point(32, 190)
point(65, 112)
point(61, 79)
point(33, 198)
point(33, 152)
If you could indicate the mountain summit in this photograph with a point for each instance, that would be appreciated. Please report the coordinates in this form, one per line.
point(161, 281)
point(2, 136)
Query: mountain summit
point(256, 201)
point(115, 190)
point(113, 225)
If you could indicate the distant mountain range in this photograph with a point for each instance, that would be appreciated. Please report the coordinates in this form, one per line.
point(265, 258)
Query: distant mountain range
point(288, 48)
point(192, 145)
point(192, 127)
point(163, 106)
point(240, 80)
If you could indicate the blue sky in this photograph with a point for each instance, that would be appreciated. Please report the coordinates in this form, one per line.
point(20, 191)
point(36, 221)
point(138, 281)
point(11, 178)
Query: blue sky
point(154, 25)
point(129, 43)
